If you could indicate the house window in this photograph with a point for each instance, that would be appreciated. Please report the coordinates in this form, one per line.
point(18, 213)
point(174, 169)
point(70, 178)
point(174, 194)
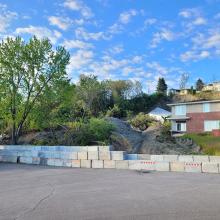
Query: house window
point(206, 107)
point(210, 125)
point(180, 110)
point(181, 126)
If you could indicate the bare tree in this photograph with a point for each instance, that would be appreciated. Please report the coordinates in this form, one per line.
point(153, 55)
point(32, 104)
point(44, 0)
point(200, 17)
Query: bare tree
point(184, 80)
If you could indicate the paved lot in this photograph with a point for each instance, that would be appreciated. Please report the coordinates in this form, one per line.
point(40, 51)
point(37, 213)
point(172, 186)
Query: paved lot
point(42, 193)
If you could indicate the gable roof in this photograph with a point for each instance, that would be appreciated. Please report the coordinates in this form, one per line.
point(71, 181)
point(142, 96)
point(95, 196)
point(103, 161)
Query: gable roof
point(160, 112)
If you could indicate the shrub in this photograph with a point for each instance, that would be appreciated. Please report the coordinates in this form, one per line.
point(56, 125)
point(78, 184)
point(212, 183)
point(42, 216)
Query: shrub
point(166, 128)
point(141, 121)
point(86, 133)
point(116, 112)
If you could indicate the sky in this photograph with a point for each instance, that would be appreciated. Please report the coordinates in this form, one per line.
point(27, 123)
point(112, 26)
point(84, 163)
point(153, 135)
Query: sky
point(125, 39)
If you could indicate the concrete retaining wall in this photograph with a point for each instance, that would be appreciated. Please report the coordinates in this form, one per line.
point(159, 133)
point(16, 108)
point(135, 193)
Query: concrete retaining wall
point(102, 157)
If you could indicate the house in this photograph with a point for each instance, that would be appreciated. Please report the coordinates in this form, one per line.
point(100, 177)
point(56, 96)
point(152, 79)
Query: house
point(181, 91)
point(215, 86)
point(159, 114)
point(195, 117)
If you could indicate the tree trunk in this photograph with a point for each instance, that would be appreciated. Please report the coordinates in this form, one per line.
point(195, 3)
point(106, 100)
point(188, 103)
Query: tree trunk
point(14, 136)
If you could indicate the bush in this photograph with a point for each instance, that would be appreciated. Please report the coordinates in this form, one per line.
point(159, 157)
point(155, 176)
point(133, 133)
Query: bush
point(166, 128)
point(115, 112)
point(141, 121)
point(87, 133)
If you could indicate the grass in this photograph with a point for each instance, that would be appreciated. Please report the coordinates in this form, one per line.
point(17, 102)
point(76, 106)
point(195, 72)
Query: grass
point(209, 144)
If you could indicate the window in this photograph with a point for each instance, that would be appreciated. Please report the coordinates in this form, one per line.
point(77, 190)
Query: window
point(210, 125)
point(181, 126)
point(206, 107)
point(180, 110)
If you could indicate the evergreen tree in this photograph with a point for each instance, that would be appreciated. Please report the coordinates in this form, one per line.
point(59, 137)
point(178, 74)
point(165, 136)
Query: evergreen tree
point(199, 85)
point(161, 86)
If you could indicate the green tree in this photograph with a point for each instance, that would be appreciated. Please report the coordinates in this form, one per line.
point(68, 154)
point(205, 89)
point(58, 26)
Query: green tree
point(199, 85)
point(161, 86)
point(92, 93)
point(26, 69)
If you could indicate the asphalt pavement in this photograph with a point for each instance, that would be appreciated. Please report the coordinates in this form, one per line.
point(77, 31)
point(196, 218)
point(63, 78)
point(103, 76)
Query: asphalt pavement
point(45, 193)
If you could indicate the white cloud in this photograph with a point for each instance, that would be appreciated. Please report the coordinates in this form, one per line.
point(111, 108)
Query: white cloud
point(70, 44)
point(6, 17)
point(157, 68)
point(126, 17)
point(40, 32)
point(116, 49)
point(189, 12)
point(194, 55)
point(199, 21)
point(79, 60)
point(83, 34)
point(164, 34)
point(78, 5)
point(60, 22)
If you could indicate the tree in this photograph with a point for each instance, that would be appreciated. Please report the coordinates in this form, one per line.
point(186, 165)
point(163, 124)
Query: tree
point(183, 80)
point(26, 70)
point(92, 93)
point(199, 85)
point(161, 86)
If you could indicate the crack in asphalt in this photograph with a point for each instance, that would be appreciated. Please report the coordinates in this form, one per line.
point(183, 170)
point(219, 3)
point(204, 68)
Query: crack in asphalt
point(37, 204)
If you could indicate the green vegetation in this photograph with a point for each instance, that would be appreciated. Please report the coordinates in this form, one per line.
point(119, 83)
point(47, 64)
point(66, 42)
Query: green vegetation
point(141, 121)
point(210, 145)
point(36, 95)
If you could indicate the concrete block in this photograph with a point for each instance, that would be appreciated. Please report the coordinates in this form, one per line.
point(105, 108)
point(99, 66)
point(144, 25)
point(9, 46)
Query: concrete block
point(68, 155)
point(26, 160)
point(67, 163)
point(185, 158)
point(83, 155)
point(144, 157)
point(93, 155)
point(177, 166)
point(193, 167)
point(85, 163)
point(156, 157)
point(162, 166)
point(200, 158)
point(93, 148)
point(109, 164)
point(83, 149)
point(148, 165)
point(214, 159)
point(9, 159)
point(210, 167)
point(134, 165)
point(58, 162)
point(118, 155)
point(35, 160)
point(170, 158)
point(49, 162)
point(76, 163)
point(121, 164)
point(104, 155)
point(97, 164)
point(105, 148)
point(131, 157)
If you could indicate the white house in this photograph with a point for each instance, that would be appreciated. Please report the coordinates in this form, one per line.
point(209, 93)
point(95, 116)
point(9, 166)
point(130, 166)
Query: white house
point(159, 114)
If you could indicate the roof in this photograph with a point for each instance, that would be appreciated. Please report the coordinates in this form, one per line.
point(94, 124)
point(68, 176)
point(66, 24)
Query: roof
point(160, 112)
point(194, 102)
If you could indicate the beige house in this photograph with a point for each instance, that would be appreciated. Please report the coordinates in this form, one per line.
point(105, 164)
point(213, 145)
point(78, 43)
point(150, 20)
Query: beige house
point(212, 87)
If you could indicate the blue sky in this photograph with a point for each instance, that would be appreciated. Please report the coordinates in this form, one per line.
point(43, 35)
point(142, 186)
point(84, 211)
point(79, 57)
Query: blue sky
point(125, 39)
